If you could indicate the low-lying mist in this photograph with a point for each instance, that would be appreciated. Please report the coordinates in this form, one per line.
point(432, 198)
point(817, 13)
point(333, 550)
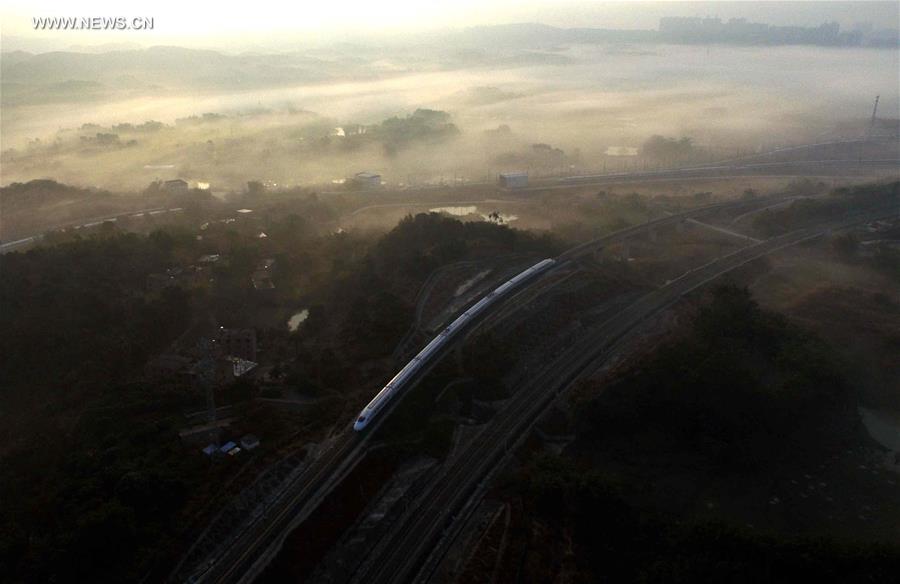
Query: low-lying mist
point(577, 102)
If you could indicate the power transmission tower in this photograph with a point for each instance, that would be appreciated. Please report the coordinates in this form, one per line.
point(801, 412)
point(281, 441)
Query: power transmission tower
point(206, 379)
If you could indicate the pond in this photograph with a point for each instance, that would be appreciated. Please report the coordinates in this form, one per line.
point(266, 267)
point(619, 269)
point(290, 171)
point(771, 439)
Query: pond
point(468, 210)
point(456, 211)
point(297, 319)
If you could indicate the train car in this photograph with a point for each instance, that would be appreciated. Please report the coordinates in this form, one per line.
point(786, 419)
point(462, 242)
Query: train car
point(479, 306)
point(502, 288)
point(398, 382)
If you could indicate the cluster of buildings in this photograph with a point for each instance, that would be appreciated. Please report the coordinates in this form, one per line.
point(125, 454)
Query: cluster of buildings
point(741, 31)
point(192, 276)
point(235, 355)
point(189, 277)
point(201, 274)
point(262, 276)
point(231, 448)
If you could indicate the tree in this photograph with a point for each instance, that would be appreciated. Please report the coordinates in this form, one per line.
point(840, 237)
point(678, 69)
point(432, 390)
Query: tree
point(845, 244)
point(667, 150)
point(487, 359)
point(255, 188)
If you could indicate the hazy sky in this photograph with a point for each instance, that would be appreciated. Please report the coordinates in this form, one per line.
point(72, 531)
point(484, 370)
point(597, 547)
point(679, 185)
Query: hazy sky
point(219, 23)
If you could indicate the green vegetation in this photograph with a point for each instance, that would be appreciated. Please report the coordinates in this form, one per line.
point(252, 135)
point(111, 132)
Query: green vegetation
point(94, 321)
point(738, 392)
point(602, 214)
point(737, 386)
point(423, 125)
point(581, 520)
point(537, 158)
point(487, 358)
point(423, 242)
point(36, 193)
point(94, 473)
point(363, 303)
point(840, 203)
point(31, 207)
point(846, 244)
point(95, 498)
point(97, 486)
point(883, 256)
point(227, 149)
point(668, 150)
point(887, 260)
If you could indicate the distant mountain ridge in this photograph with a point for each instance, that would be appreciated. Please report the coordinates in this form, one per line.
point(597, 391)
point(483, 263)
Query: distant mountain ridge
point(60, 76)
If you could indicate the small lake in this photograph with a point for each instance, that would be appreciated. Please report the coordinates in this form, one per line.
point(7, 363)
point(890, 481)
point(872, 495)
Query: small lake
point(468, 210)
point(297, 319)
point(456, 211)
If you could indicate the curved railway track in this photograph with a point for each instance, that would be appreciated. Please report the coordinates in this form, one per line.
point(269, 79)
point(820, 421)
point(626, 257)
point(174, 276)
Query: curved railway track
point(397, 558)
point(283, 514)
point(246, 553)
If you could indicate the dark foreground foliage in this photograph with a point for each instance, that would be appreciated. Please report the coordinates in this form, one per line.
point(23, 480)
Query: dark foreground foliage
point(96, 485)
point(614, 541)
point(840, 203)
point(740, 383)
point(739, 391)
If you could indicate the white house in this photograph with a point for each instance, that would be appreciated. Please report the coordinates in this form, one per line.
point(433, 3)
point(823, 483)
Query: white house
point(513, 180)
point(367, 180)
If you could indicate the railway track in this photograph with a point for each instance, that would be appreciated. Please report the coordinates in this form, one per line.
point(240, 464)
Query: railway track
point(397, 557)
point(275, 525)
point(245, 554)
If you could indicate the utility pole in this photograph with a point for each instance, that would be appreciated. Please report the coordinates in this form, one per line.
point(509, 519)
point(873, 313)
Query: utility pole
point(872, 122)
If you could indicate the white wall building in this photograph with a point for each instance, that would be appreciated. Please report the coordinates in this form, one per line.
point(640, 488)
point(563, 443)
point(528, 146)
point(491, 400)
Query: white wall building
point(513, 180)
point(367, 180)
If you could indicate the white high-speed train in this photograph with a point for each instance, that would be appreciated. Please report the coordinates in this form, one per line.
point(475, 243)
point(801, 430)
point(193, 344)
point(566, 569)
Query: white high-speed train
point(399, 381)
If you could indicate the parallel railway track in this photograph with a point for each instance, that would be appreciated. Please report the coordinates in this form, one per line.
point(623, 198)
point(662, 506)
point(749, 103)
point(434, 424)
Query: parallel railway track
point(398, 557)
point(247, 552)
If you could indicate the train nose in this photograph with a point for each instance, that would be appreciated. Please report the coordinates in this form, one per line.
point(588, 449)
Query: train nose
point(360, 423)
